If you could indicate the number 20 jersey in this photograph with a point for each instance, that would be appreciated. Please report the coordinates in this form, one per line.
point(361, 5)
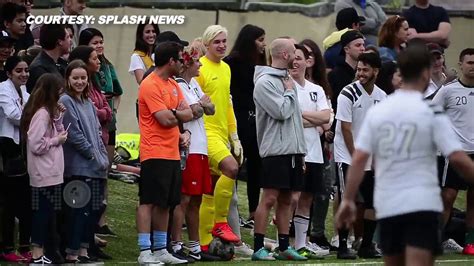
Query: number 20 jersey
point(457, 100)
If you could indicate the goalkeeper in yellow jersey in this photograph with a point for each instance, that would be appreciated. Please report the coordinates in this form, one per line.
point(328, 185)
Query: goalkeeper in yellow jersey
point(224, 148)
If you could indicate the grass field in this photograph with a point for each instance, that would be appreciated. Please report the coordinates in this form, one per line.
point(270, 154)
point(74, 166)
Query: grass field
point(121, 217)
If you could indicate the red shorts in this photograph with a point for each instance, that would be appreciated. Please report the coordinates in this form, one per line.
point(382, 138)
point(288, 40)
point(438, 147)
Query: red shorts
point(196, 176)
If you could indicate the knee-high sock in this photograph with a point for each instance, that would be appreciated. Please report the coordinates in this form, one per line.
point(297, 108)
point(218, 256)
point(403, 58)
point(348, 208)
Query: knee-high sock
point(222, 196)
point(233, 217)
point(301, 228)
point(206, 219)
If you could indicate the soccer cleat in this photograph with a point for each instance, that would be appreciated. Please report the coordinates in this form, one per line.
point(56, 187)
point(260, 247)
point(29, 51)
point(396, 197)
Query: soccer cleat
point(164, 256)
point(345, 254)
point(41, 260)
point(468, 249)
point(243, 250)
point(13, 257)
point(203, 256)
point(290, 254)
point(224, 232)
point(313, 247)
point(180, 254)
point(308, 254)
point(262, 254)
point(147, 258)
point(450, 247)
point(369, 252)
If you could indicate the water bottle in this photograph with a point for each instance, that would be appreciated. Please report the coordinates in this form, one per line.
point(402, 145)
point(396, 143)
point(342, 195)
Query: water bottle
point(183, 153)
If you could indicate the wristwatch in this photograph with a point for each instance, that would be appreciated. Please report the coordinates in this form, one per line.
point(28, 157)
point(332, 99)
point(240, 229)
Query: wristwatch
point(173, 111)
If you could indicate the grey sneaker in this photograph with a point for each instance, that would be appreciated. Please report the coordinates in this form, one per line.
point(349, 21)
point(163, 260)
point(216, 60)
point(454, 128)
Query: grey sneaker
point(146, 258)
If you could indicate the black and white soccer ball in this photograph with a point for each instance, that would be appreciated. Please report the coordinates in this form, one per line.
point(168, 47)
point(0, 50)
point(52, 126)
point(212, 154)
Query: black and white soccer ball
point(221, 248)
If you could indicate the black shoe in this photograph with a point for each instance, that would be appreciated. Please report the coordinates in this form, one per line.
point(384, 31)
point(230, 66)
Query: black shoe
point(369, 252)
point(345, 254)
point(323, 242)
point(104, 231)
point(79, 260)
point(41, 260)
point(203, 256)
point(96, 252)
point(180, 254)
point(55, 257)
point(250, 223)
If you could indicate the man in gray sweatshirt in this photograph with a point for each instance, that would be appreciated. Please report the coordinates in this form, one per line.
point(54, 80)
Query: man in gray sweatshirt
point(281, 145)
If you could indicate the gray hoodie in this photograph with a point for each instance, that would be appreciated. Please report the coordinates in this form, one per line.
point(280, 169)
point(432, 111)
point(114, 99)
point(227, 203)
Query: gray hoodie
point(278, 115)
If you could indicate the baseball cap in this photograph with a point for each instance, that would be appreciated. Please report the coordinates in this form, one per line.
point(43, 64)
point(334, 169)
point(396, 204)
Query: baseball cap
point(4, 38)
point(169, 36)
point(346, 17)
point(434, 48)
point(348, 37)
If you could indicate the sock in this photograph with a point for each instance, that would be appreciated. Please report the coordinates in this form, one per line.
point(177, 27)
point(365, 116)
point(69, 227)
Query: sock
point(283, 242)
point(301, 228)
point(258, 241)
point(194, 246)
point(144, 241)
point(206, 219)
point(369, 229)
point(176, 245)
point(222, 196)
point(343, 234)
point(470, 236)
point(159, 240)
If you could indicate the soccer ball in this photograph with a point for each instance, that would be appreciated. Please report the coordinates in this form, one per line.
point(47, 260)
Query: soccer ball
point(222, 249)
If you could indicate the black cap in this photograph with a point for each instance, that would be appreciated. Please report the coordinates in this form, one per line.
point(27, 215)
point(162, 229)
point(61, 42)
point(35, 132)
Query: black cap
point(348, 37)
point(4, 38)
point(435, 48)
point(346, 17)
point(169, 36)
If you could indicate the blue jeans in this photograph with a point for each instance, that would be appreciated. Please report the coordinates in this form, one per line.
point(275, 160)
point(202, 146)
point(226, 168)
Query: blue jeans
point(45, 202)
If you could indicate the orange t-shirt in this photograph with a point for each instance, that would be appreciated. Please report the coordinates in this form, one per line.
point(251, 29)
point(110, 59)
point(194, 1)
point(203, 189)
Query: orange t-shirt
point(156, 141)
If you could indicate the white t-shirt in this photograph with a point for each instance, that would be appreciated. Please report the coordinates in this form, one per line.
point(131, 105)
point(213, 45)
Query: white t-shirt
point(136, 62)
point(458, 101)
point(193, 93)
point(352, 105)
point(311, 97)
point(403, 134)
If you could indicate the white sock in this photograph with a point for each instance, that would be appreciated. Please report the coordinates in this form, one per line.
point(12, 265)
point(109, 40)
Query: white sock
point(176, 245)
point(301, 228)
point(194, 246)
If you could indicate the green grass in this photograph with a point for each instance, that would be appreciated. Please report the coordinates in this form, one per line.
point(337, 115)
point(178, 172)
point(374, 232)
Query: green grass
point(123, 201)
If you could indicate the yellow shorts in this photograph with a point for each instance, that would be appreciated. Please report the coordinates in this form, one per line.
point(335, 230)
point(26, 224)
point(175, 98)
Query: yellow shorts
point(217, 149)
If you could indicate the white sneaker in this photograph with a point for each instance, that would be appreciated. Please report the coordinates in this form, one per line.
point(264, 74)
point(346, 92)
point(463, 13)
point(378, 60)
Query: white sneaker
point(313, 247)
point(335, 241)
point(450, 246)
point(165, 257)
point(147, 258)
point(243, 250)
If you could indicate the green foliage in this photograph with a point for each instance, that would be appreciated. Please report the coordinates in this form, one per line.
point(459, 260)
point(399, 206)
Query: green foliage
point(396, 4)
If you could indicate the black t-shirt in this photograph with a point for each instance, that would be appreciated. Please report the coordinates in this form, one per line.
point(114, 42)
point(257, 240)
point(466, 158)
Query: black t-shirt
point(426, 20)
point(3, 75)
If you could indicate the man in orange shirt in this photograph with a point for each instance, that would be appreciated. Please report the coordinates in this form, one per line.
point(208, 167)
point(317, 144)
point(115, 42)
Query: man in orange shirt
point(161, 108)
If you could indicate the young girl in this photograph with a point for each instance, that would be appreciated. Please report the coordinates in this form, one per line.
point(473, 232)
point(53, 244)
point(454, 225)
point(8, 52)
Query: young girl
point(14, 186)
point(44, 134)
point(85, 160)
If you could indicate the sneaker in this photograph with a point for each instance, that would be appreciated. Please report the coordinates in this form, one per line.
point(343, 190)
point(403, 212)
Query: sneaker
point(104, 231)
point(147, 258)
point(468, 249)
point(335, 241)
point(316, 249)
point(203, 256)
point(243, 250)
point(41, 260)
point(249, 223)
point(224, 232)
point(262, 254)
point(13, 257)
point(308, 253)
point(450, 246)
point(290, 254)
point(323, 242)
point(369, 252)
point(165, 257)
point(345, 254)
point(180, 254)
point(55, 256)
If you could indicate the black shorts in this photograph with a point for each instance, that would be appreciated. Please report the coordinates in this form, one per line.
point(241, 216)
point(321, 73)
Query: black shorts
point(366, 188)
point(112, 135)
point(448, 177)
point(283, 172)
point(314, 178)
point(160, 182)
point(418, 229)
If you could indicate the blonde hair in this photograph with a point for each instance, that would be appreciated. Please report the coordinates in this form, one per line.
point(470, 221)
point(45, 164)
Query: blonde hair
point(197, 44)
point(211, 32)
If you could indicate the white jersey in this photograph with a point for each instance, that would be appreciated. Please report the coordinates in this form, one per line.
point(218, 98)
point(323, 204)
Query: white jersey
point(193, 93)
point(458, 101)
point(403, 134)
point(352, 105)
point(311, 97)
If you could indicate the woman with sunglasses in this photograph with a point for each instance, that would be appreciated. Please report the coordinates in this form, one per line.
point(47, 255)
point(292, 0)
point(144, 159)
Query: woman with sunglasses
point(393, 37)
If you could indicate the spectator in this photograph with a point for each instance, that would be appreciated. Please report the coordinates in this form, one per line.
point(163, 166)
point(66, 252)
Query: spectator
point(389, 79)
point(438, 77)
point(74, 8)
point(141, 59)
point(371, 11)
point(346, 19)
point(248, 51)
point(15, 182)
point(55, 43)
point(13, 23)
point(85, 160)
point(6, 50)
point(70, 32)
point(43, 131)
point(428, 22)
point(161, 108)
point(393, 37)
